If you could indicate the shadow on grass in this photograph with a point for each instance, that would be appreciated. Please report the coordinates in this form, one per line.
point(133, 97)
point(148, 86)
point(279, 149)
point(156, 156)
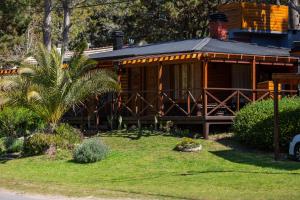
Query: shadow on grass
point(256, 159)
point(8, 157)
point(134, 134)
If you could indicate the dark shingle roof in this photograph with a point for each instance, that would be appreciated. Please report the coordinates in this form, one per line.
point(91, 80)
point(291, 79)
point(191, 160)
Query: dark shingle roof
point(197, 45)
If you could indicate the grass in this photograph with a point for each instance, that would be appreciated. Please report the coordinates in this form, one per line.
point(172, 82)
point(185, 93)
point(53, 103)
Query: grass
point(146, 166)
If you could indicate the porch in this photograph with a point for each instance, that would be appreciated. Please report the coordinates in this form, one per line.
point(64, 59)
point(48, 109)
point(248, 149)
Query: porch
point(188, 88)
point(196, 108)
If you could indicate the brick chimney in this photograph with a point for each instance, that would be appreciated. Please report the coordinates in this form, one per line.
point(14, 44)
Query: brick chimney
point(218, 26)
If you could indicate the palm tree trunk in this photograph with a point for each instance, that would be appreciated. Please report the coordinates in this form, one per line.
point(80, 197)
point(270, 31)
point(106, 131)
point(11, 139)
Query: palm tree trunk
point(47, 24)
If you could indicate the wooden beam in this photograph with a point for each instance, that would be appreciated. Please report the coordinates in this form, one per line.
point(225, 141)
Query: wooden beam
point(253, 74)
point(276, 122)
point(205, 85)
point(205, 74)
point(160, 88)
point(119, 71)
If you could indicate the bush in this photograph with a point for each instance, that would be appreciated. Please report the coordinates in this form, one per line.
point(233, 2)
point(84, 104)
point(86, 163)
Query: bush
point(38, 144)
point(91, 150)
point(186, 144)
point(67, 136)
point(11, 145)
point(254, 124)
point(2, 146)
point(18, 122)
point(14, 145)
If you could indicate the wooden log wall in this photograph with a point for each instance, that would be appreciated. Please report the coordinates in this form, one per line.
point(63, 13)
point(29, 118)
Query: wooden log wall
point(256, 17)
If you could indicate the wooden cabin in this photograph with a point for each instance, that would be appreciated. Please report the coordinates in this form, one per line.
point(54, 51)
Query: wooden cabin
point(204, 81)
point(201, 81)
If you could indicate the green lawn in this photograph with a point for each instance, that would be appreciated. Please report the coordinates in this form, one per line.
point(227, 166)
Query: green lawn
point(147, 166)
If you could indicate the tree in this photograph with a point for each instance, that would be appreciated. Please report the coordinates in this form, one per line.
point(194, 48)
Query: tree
point(50, 90)
point(47, 24)
point(15, 19)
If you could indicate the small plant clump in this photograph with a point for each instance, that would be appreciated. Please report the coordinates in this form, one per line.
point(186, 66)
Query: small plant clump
point(188, 145)
point(90, 151)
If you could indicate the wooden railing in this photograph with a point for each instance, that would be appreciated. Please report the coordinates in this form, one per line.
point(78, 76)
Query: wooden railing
point(210, 103)
point(228, 101)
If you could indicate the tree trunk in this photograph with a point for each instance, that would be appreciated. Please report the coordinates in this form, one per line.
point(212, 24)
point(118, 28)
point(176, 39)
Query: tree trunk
point(294, 15)
point(67, 25)
point(47, 24)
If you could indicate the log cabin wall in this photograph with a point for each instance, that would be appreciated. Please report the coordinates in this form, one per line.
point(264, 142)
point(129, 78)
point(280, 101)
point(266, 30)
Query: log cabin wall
point(151, 94)
point(256, 17)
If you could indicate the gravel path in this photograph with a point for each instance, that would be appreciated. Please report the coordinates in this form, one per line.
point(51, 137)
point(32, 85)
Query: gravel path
point(9, 195)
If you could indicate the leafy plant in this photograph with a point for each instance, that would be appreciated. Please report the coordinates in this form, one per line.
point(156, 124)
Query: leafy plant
point(18, 122)
point(14, 145)
point(253, 125)
point(186, 144)
point(2, 146)
point(67, 136)
point(50, 89)
point(38, 143)
point(91, 150)
point(167, 126)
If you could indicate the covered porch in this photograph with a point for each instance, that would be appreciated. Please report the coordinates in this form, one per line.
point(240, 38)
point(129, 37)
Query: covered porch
point(193, 88)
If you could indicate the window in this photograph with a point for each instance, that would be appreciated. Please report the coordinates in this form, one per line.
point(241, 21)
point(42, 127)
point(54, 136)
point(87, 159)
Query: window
point(186, 77)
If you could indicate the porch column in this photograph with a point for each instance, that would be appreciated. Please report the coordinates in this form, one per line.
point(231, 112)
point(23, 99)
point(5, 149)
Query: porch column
point(119, 70)
point(97, 112)
point(204, 85)
point(160, 88)
point(253, 79)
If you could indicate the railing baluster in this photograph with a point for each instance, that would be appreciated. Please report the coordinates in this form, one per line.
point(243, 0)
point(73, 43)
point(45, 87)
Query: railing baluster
point(189, 103)
point(238, 101)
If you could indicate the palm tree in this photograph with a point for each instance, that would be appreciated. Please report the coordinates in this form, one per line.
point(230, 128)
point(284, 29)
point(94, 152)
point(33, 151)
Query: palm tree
point(50, 89)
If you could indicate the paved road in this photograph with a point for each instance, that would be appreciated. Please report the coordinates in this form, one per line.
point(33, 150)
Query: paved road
point(8, 195)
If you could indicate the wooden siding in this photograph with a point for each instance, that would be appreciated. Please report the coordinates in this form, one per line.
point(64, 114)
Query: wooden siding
point(256, 17)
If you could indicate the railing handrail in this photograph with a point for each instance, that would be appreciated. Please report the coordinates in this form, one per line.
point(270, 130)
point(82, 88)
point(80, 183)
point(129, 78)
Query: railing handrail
point(205, 89)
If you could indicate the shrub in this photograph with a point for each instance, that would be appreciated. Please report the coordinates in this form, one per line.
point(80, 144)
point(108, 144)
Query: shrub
point(186, 144)
point(2, 146)
point(18, 122)
point(38, 143)
point(67, 136)
point(91, 150)
point(14, 145)
point(254, 126)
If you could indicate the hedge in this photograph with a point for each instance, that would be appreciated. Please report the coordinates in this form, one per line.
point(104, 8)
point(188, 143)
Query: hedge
point(254, 126)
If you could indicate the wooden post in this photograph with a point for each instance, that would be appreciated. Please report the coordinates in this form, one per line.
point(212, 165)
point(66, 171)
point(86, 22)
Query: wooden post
point(97, 113)
point(253, 73)
point(204, 85)
point(276, 122)
point(120, 83)
point(189, 103)
point(160, 89)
